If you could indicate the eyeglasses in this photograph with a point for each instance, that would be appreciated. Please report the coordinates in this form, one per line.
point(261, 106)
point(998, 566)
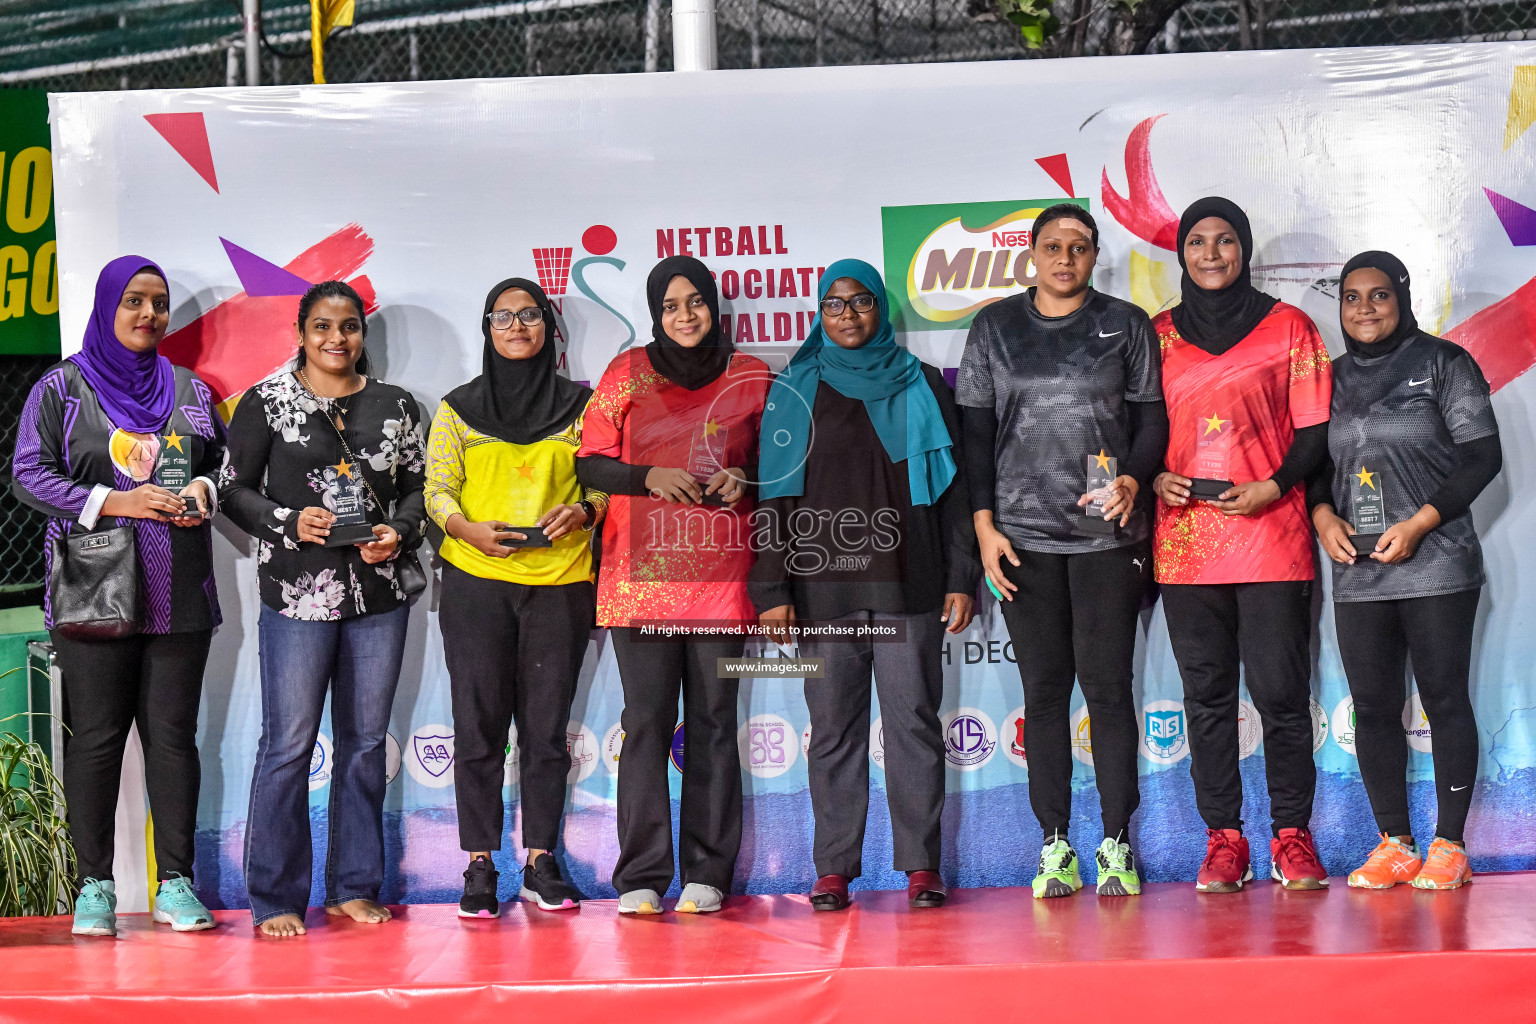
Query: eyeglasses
point(501, 319)
point(861, 303)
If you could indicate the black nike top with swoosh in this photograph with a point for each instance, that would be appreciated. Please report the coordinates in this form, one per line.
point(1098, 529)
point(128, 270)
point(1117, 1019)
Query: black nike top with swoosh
point(1403, 414)
point(1060, 388)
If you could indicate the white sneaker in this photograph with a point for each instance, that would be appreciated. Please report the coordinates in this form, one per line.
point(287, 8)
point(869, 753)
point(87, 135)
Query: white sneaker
point(699, 899)
point(640, 901)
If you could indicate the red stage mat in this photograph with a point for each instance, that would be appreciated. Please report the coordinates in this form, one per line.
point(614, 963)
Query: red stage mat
point(992, 955)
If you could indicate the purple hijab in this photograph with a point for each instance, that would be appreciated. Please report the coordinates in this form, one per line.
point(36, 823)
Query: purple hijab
point(136, 389)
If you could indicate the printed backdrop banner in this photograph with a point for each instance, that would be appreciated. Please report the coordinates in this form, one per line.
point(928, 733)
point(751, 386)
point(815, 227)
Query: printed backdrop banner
point(423, 194)
point(29, 273)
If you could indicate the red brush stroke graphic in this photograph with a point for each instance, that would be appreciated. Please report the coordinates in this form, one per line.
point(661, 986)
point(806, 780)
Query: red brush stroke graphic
point(1502, 337)
point(1146, 214)
point(244, 338)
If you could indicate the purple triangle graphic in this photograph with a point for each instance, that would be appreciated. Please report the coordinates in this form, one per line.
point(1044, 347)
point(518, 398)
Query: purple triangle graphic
point(260, 278)
point(1519, 221)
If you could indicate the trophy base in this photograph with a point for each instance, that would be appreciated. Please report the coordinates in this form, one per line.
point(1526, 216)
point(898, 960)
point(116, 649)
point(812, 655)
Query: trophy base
point(1093, 526)
point(534, 537)
point(1206, 489)
point(1364, 544)
point(347, 536)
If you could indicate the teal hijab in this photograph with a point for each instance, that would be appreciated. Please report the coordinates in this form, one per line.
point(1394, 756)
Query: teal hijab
point(884, 376)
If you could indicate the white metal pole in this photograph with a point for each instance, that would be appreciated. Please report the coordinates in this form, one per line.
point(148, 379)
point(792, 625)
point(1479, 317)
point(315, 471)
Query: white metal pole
point(693, 36)
point(252, 42)
point(652, 34)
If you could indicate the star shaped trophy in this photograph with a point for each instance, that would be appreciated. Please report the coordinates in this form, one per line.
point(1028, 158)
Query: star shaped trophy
point(1367, 508)
point(346, 494)
point(1212, 475)
point(173, 467)
point(707, 455)
point(1102, 470)
point(525, 509)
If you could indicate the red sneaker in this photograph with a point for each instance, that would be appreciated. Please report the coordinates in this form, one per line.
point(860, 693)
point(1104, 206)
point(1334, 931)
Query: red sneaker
point(1294, 860)
point(1226, 865)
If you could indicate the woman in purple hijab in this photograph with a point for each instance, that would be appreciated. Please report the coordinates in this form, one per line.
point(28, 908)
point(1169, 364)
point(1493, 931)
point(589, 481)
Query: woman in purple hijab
point(116, 436)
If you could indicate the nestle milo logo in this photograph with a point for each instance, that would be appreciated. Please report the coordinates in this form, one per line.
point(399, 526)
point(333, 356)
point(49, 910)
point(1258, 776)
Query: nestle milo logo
point(945, 261)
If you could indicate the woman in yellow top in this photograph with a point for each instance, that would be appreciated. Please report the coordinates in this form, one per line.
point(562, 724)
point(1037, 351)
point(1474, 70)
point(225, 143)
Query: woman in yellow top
point(517, 598)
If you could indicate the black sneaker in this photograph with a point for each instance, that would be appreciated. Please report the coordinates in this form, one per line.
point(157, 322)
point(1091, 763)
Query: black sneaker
point(543, 885)
point(479, 898)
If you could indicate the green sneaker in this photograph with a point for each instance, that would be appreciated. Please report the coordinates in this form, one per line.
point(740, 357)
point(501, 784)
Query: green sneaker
point(96, 908)
point(178, 906)
point(1117, 869)
point(1058, 871)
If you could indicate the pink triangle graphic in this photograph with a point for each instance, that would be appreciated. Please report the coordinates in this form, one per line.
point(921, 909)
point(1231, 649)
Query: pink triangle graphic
point(261, 278)
point(188, 136)
point(1056, 167)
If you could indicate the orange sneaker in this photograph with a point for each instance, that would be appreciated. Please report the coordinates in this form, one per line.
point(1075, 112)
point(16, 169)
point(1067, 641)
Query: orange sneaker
point(1392, 861)
point(1446, 867)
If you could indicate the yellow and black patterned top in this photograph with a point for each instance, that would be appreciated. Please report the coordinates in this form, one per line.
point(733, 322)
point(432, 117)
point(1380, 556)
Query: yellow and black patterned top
point(485, 478)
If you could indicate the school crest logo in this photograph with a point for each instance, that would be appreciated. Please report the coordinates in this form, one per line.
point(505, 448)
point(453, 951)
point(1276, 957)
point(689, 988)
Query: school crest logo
point(429, 758)
point(1164, 732)
point(970, 739)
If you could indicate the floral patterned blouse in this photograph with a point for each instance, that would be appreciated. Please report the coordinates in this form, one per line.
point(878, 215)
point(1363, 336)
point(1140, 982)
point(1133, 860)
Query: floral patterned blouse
point(283, 457)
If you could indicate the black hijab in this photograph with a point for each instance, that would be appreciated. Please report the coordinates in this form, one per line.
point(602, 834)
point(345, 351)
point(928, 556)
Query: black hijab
point(519, 400)
point(692, 368)
point(1407, 326)
point(1215, 321)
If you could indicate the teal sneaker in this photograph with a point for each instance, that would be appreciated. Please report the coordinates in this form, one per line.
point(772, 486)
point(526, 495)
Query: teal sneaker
point(178, 906)
point(1058, 875)
point(1117, 869)
point(96, 908)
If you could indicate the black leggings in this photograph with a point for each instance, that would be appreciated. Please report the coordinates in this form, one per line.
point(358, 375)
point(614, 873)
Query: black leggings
point(1074, 617)
point(156, 681)
point(653, 673)
point(514, 653)
point(1375, 637)
point(1261, 633)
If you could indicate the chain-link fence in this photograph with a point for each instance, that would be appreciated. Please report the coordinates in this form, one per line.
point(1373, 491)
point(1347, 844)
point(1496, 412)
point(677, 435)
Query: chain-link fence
point(21, 529)
point(177, 43)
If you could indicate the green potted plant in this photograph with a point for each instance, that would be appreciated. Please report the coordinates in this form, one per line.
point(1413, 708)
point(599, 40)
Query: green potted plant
point(37, 859)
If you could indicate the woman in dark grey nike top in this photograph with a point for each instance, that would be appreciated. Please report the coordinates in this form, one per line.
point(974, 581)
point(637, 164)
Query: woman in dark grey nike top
point(1412, 441)
point(1061, 395)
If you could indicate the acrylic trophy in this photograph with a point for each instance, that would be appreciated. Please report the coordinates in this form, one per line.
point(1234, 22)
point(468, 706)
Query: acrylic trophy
point(349, 504)
point(1212, 475)
point(1102, 470)
point(1368, 508)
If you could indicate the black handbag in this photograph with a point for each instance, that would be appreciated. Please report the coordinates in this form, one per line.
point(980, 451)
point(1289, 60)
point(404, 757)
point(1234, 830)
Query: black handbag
point(93, 585)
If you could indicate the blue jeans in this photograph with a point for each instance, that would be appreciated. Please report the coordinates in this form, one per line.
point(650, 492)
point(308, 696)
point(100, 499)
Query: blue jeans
point(358, 660)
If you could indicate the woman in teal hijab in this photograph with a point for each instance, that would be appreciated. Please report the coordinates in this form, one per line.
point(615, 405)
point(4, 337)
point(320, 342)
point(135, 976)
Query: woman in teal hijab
point(864, 529)
point(884, 376)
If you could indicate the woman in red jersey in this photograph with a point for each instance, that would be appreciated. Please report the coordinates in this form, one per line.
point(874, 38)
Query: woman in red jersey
point(1247, 382)
point(671, 435)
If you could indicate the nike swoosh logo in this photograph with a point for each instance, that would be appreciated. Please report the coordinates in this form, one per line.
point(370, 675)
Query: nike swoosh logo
point(1404, 279)
point(1416, 383)
point(1457, 789)
point(1111, 334)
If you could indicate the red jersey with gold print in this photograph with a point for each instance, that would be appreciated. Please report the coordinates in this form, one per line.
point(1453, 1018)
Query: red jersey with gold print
point(685, 564)
point(1233, 417)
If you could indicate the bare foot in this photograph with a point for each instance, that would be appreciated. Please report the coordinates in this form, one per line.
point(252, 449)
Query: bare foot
point(365, 911)
point(284, 926)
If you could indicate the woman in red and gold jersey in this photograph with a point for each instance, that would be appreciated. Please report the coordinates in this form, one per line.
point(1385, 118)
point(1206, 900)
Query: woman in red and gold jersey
point(1247, 383)
point(671, 434)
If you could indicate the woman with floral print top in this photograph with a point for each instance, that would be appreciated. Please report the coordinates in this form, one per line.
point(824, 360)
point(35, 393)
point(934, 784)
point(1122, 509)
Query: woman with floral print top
point(333, 618)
